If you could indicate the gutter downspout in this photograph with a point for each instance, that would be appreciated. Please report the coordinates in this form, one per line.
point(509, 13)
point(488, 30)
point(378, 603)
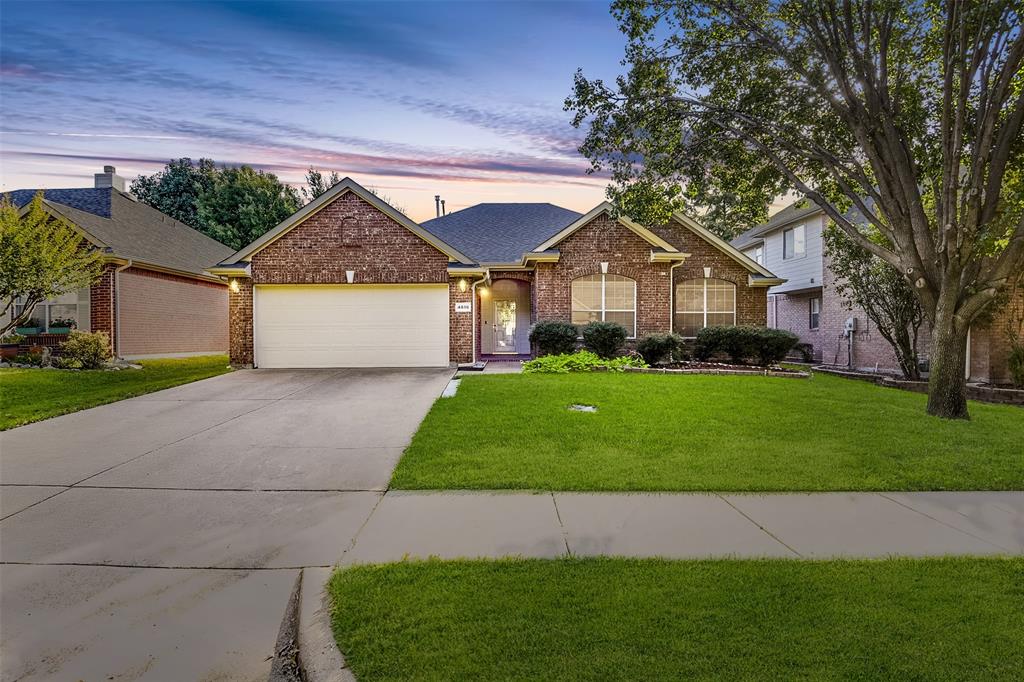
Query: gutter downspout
point(672, 296)
point(117, 306)
point(487, 276)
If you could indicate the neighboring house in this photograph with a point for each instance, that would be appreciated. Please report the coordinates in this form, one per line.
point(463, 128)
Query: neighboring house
point(348, 281)
point(807, 304)
point(154, 297)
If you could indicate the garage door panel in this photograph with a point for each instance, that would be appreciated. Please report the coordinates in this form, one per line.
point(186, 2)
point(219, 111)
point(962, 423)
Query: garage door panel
point(351, 326)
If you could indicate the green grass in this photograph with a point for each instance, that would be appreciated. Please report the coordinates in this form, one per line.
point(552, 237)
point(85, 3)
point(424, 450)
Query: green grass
point(28, 395)
point(616, 619)
point(698, 432)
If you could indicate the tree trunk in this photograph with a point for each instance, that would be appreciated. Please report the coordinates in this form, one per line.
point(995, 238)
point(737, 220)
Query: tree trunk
point(947, 385)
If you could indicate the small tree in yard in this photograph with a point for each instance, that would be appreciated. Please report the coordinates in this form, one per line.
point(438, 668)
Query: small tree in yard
point(910, 112)
point(40, 257)
point(865, 280)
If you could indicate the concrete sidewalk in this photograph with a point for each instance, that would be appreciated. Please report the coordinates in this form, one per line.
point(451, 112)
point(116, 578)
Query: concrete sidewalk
point(818, 525)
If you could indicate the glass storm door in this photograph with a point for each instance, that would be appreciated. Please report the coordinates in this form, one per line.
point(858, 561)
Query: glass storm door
point(504, 326)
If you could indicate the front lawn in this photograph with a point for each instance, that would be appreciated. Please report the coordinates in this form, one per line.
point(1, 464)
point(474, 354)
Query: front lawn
point(598, 619)
point(697, 432)
point(28, 395)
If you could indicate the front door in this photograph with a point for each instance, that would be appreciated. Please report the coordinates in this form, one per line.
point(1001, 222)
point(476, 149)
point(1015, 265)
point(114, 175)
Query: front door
point(504, 326)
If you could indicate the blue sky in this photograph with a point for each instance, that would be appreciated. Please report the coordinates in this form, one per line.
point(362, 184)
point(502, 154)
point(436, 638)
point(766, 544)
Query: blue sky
point(462, 99)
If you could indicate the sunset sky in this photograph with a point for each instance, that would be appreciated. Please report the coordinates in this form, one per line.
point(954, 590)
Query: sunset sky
point(462, 99)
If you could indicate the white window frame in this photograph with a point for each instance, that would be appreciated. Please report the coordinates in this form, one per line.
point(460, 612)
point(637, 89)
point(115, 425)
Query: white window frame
point(704, 283)
point(759, 255)
point(604, 308)
point(811, 312)
point(42, 310)
point(795, 254)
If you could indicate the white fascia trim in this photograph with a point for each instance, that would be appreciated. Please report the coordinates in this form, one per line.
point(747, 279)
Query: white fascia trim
point(346, 185)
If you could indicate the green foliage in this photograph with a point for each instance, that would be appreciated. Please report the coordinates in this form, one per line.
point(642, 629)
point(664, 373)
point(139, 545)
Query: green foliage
point(317, 183)
point(12, 338)
point(177, 189)
point(552, 337)
point(90, 349)
point(885, 295)
point(604, 338)
point(580, 361)
point(655, 348)
point(244, 204)
point(34, 359)
point(806, 351)
point(742, 343)
point(41, 257)
point(63, 322)
point(68, 363)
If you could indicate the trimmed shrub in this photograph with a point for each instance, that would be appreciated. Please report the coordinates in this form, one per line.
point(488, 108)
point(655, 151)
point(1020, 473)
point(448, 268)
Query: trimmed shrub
point(806, 351)
point(740, 344)
point(552, 337)
point(90, 349)
point(580, 361)
point(655, 348)
point(604, 338)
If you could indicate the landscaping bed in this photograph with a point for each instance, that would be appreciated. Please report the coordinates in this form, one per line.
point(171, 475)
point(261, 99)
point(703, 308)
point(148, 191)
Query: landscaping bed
point(698, 433)
point(699, 367)
point(587, 619)
point(28, 395)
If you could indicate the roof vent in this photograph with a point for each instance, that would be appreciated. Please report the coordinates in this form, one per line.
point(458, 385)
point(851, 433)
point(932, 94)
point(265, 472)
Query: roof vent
point(108, 178)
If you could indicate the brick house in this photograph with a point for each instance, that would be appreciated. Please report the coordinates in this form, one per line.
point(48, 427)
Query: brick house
point(807, 304)
point(154, 297)
point(350, 281)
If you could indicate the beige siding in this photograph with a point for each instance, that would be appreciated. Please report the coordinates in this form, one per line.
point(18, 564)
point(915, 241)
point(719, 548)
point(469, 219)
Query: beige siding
point(167, 315)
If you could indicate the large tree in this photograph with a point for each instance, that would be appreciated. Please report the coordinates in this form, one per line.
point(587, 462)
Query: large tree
point(41, 257)
point(244, 204)
point(910, 112)
point(176, 189)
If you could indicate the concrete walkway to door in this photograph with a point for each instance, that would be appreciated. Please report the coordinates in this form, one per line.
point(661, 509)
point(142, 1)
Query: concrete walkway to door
point(160, 537)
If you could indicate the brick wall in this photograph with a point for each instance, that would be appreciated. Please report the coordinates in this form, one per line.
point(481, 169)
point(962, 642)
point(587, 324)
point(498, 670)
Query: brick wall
point(346, 234)
point(604, 240)
point(460, 325)
point(751, 302)
point(101, 303)
point(990, 343)
point(167, 314)
point(240, 323)
point(349, 234)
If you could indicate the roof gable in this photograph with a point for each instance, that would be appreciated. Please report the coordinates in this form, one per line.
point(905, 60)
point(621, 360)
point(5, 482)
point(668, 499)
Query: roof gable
point(345, 186)
point(600, 209)
point(722, 245)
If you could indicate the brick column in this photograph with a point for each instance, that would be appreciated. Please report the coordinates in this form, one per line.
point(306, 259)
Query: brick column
point(102, 313)
point(460, 325)
point(240, 323)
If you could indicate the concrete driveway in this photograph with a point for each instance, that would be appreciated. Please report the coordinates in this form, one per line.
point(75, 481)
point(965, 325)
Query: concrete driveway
point(160, 537)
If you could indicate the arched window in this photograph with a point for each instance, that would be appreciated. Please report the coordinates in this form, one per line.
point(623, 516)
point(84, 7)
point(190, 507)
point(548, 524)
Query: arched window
point(611, 298)
point(704, 303)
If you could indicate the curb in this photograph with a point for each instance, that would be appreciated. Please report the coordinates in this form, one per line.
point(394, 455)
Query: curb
point(306, 650)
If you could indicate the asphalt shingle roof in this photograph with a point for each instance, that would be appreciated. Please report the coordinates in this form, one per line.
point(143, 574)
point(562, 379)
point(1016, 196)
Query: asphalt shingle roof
point(500, 233)
point(132, 229)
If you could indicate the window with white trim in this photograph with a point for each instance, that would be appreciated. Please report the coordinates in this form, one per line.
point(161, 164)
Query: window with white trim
point(794, 242)
point(56, 312)
point(703, 303)
point(759, 255)
point(603, 297)
point(814, 313)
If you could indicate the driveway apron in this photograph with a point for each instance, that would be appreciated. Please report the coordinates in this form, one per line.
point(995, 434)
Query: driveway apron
point(159, 537)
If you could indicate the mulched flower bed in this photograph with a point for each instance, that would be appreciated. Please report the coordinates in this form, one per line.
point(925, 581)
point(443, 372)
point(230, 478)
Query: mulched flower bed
point(698, 367)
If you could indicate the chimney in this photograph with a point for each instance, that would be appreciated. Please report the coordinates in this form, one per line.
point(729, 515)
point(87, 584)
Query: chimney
point(437, 205)
point(108, 178)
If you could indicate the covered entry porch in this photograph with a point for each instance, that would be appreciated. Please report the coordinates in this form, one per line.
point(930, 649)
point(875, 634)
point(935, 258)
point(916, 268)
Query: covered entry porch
point(505, 312)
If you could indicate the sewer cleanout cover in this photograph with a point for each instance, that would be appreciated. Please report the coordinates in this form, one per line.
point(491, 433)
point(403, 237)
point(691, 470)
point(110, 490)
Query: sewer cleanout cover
point(583, 408)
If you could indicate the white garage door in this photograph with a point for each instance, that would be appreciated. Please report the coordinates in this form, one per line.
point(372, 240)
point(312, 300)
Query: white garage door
point(351, 326)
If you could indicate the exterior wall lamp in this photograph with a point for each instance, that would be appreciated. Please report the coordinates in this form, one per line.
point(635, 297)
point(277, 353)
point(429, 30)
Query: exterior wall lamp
point(233, 286)
point(707, 272)
point(350, 276)
point(462, 284)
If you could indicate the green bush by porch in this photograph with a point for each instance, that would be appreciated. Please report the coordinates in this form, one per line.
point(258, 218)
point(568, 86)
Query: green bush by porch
point(728, 433)
point(608, 619)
